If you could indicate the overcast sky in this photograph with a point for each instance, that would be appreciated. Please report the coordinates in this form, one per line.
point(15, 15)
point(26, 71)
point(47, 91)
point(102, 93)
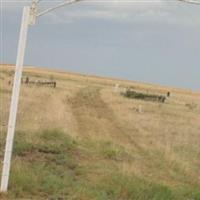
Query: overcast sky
point(150, 41)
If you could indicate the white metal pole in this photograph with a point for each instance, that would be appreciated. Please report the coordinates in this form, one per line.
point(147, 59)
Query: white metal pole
point(15, 99)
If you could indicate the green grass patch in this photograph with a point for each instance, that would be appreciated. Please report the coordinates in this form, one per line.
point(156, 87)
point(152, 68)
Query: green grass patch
point(50, 165)
point(115, 186)
point(111, 151)
point(105, 149)
point(44, 166)
point(47, 142)
point(21, 144)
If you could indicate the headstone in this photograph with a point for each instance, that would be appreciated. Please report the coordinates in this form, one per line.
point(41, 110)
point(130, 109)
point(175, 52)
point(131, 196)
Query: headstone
point(140, 109)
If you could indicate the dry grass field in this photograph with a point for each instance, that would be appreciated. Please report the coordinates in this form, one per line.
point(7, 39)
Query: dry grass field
point(83, 140)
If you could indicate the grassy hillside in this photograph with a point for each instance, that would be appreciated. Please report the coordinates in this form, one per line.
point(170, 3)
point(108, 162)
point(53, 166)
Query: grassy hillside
point(83, 140)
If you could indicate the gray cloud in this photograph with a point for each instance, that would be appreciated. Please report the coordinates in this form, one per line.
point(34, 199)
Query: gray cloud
point(120, 11)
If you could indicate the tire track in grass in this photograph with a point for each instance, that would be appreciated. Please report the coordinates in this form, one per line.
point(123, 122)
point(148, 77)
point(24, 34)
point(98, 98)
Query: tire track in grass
point(95, 118)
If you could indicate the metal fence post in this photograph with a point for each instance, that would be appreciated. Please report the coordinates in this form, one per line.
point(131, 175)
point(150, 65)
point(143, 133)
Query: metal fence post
point(15, 99)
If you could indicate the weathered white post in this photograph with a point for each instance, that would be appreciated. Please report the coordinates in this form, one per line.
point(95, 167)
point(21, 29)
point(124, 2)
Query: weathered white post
point(14, 99)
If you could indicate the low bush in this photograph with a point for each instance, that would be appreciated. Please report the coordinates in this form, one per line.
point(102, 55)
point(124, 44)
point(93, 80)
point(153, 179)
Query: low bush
point(148, 97)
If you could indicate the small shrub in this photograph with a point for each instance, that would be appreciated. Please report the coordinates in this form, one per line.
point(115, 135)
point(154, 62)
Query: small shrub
point(148, 97)
point(111, 151)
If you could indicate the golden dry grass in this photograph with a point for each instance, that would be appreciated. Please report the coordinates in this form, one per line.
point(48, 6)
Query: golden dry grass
point(163, 142)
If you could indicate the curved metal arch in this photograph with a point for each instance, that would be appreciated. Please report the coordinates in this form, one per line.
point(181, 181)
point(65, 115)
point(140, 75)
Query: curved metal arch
point(36, 2)
point(57, 6)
